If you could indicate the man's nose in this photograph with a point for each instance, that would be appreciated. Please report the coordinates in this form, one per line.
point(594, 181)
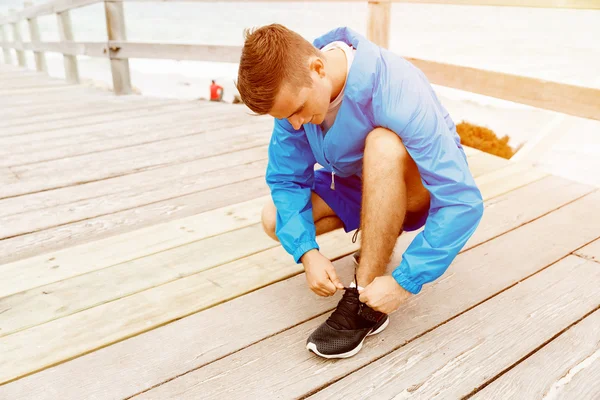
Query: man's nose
point(296, 122)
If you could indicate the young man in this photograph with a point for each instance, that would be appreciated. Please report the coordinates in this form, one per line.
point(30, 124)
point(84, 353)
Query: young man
point(392, 161)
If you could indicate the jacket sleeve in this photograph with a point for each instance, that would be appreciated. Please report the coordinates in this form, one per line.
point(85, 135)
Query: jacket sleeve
point(407, 105)
point(290, 177)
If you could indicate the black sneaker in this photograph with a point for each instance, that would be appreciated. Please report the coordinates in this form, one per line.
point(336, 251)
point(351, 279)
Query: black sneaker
point(344, 332)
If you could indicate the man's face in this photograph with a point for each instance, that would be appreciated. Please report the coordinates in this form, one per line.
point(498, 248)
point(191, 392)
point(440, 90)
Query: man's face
point(304, 105)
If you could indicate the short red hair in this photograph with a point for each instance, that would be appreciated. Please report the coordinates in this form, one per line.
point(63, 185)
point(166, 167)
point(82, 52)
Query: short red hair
point(272, 54)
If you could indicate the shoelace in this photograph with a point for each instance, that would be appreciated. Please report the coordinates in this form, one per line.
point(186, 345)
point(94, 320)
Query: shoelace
point(344, 316)
point(347, 311)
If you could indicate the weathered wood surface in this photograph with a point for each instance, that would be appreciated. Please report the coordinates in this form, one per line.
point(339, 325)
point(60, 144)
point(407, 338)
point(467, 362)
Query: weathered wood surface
point(475, 276)
point(591, 251)
point(571, 374)
point(118, 279)
point(84, 231)
point(124, 230)
point(493, 336)
point(281, 316)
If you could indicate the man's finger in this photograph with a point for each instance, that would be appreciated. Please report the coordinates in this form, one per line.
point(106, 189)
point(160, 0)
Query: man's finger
point(364, 297)
point(334, 278)
point(330, 288)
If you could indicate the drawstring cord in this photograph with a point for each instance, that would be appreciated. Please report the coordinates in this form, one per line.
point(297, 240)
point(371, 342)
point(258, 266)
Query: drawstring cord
point(332, 187)
point(355, 236)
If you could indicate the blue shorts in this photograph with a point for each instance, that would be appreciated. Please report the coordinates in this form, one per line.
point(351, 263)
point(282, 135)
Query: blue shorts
point(346, 199)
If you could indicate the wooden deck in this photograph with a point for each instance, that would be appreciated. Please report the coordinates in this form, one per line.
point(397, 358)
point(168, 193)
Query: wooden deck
point(134, 264)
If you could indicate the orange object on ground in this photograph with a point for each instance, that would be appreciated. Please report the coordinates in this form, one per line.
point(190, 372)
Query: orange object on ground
point(216, 92)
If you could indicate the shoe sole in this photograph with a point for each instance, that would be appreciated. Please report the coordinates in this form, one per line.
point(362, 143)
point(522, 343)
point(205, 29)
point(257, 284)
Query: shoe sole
point(313, 347)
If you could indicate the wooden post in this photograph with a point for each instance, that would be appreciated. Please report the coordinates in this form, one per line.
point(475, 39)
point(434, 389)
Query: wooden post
point(18, 41)
point(7, 54)
point(378, 26)
point(34, 36)
point(115, 25)
point(66, 34)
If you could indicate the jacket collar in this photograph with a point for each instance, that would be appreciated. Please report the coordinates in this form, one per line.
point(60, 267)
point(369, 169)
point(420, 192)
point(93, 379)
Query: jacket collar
point(361, 78)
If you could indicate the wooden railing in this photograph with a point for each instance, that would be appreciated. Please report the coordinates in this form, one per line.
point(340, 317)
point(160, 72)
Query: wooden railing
point(564, 98)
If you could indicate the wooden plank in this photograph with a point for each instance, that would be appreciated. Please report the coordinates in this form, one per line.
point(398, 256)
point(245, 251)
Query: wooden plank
point(44, 93)
point(65, 33)
point(88, 105)
point(378, 23)
point(163, 303)
point(43, 146)
point(48, 8)
point(574, 4)
point(112, 163)
point(191, 177)
point(479, 344)
point(487, 162)
point(21, 74)
point(190, 52)
point(5, 51)
point(570, 365)
point(28, 81)
point(7, 176)
point(91, 49)
point(34, 36)
point(7, 74)
point(568, 99)
point(16, 91)
point(94, 143)
point(590, 252)
point(110, 106)
point(45, 99)
point(175, 107)
point(63, 264)
point(23, 106)
point(63, 236)
point(71, 101)
point(16, 29)
point(115, 27)
point(83, 120)
point(532, 201)
point(509, 178)
point(7, 87)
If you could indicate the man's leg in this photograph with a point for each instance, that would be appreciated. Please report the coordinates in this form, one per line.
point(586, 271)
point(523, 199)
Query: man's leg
point(391, 187)
point(324, 217)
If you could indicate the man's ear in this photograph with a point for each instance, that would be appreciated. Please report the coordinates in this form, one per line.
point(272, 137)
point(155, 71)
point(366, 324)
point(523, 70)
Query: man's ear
point(317, 65)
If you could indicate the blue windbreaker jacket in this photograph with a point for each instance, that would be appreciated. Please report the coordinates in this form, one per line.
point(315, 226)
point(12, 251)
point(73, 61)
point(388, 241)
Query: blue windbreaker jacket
point(382, 90)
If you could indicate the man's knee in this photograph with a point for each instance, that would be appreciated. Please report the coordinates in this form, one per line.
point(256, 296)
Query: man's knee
point(382, 142)
point(269, 219)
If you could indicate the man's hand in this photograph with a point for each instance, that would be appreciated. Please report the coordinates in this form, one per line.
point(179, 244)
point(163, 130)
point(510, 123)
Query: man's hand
point(320, 274)
point(384, 294)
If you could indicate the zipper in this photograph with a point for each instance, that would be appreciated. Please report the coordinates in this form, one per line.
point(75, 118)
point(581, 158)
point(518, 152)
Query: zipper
point(332, 187)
